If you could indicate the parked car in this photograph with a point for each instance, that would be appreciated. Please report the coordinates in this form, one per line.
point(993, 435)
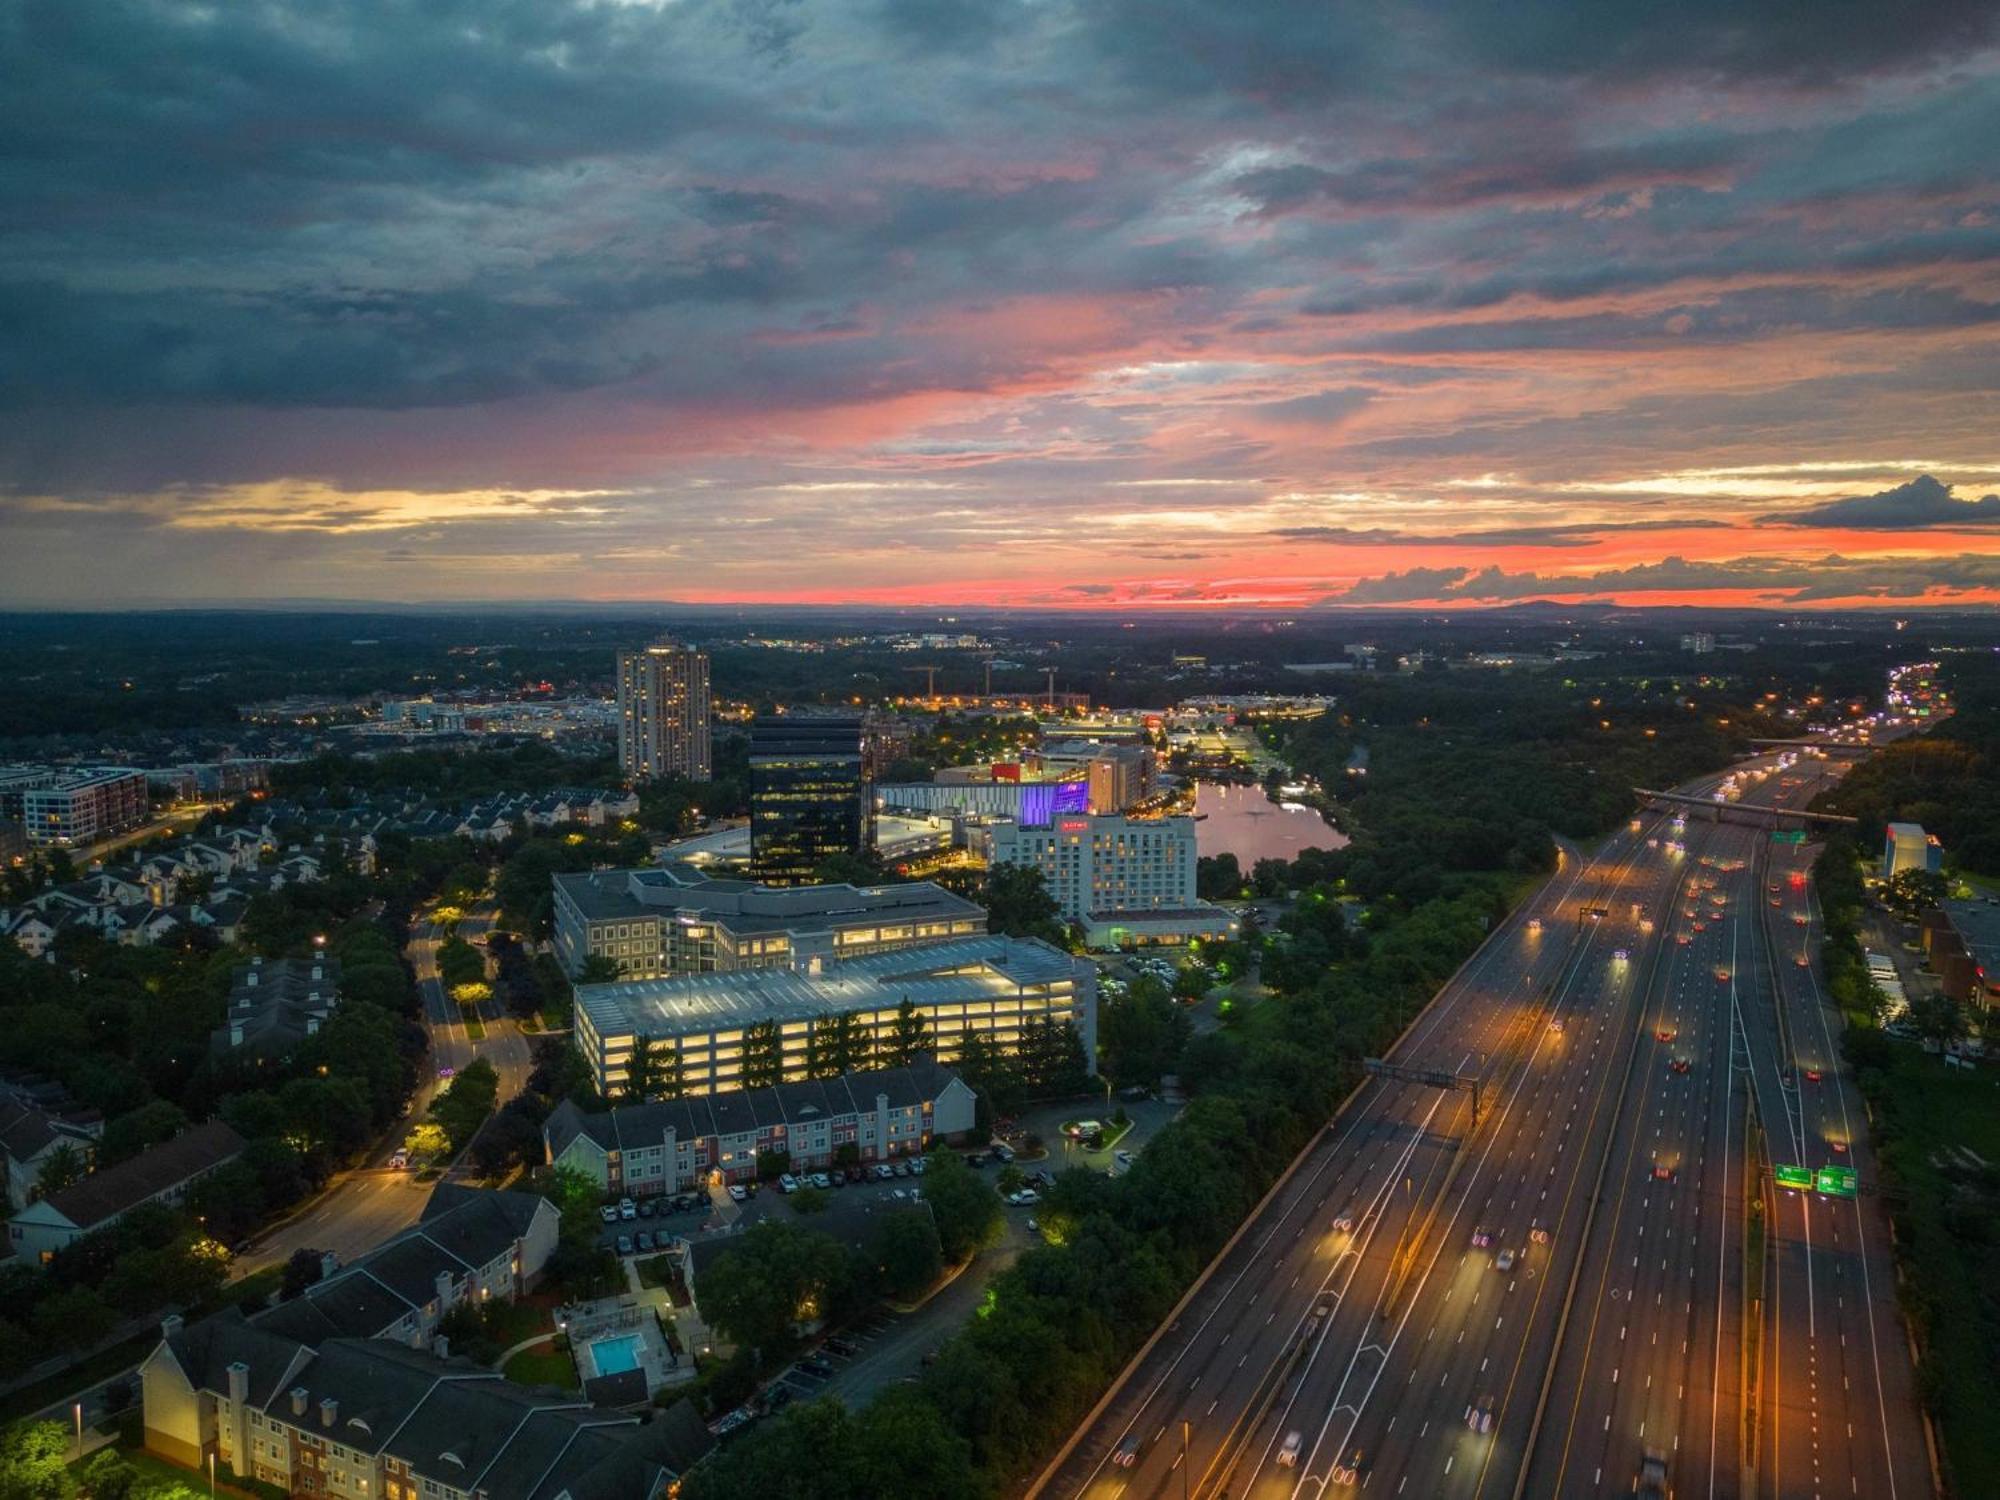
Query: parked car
point(648, 1207)
point(645, 1239)
point(788, 1183)
point(627, 1209)
point(819, 1364)
point(738, 1192)
point(624, 1244)
point(609, 1213)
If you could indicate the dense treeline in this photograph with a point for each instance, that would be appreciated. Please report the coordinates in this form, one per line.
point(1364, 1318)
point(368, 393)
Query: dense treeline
point(1948, 780)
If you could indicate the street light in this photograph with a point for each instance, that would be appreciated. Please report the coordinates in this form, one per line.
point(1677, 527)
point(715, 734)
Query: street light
point(78, 1410)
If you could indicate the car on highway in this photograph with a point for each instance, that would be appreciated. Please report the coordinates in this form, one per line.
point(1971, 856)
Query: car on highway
point(1556, 1024)
point(1678, 1065)
point(1504, 1261)
point(1722, 973)
point(1683, 938)
point(1812, 1075)
point(1800, 919)
point(1534, 926)
point(1802, 960)
point(1479, 1415)
point(1126, 1453)
point(1652, 1481)
point(1662, 1172)
point(1348, 1471)
point(447, 1072)
point(1539, 1235)
point(1481, 1237)
point(1288, 1451)
point(1839, 1147)
point(1665, 1034)
point(399, 1162)
point(1619, 956)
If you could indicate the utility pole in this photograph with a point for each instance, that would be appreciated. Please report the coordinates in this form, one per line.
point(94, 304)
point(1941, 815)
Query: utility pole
point(1052, 690)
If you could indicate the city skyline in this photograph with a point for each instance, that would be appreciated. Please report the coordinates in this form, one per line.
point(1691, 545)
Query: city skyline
point(1062, 306)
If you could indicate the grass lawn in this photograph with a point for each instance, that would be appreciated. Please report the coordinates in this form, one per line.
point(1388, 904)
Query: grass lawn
point(153, 1467)
point(475, 1029)
point(543, 1365)
point(511, 1322)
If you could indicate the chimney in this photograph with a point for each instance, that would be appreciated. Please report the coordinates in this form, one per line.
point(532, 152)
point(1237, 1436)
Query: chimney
point(328, 1264)
point(444, 1290)
point(171, 1325)
point(298, 1401)
point(239, 1383)
point(441, 1345)
point(329, 1411)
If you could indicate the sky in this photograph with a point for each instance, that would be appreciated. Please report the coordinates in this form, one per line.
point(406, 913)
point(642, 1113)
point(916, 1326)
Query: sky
point(1126, 304)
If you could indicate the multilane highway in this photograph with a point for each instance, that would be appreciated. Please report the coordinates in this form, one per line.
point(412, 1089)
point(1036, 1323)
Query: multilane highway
point(1521, 1305)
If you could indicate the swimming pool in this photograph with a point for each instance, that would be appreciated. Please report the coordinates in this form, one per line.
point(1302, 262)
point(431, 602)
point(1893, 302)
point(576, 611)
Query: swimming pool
point(614, 1356)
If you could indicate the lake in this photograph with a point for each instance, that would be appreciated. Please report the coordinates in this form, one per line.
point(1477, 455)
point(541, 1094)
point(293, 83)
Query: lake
point(1242, 821)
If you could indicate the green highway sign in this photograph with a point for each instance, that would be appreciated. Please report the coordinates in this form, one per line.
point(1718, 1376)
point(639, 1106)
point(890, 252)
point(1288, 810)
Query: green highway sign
point(1835, 1182)
point(1789, 836)
point(1800, 1178)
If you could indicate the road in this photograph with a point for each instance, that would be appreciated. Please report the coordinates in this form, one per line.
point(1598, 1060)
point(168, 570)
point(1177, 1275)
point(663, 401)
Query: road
point(366, 1206)
point(1356, 1310)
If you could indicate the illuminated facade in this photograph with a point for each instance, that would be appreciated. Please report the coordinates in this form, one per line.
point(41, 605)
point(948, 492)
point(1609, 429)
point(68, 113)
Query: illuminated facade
point(990, 985)
point(663, 713)
point(808, 797)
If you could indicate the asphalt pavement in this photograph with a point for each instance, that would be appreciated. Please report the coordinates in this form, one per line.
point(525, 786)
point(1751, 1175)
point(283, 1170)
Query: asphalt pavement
point(1522, 1305)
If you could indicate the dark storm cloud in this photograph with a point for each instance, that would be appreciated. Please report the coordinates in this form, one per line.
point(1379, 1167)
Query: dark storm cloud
point(1578, 534)
point(558, 245)
point(1776, 579)
point(1920, 504)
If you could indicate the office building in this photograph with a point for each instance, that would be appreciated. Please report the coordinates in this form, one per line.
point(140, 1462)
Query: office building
point(65, 809)
point(675, 920)
point(1698, 643)
point(1962, 947)
point(990, 985)
point(1908, 847)
point(1127, 881)
point(672, 1146)
point(808, 797)
point(663, 713)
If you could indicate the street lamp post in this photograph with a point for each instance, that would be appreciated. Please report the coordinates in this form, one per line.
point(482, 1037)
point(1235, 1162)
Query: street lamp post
point(77, 1410)
point(1187, 1431)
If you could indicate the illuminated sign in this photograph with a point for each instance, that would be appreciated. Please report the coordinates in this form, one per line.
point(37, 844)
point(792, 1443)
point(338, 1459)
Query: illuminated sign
point(1835, 1182)
point(1797, 1178)
point(1075, 825)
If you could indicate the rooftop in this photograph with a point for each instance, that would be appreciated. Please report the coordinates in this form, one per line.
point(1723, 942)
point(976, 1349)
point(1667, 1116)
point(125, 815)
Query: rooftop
point(962, 969)
point(105, 1195)
point(1977, 924)
point(744, 906)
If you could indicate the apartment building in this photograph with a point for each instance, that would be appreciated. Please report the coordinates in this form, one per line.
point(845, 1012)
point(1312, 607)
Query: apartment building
point(990, 985)
point(159, 1174)
point(674, 1145)
point(675, 920)
point(273, 1007)
point(68, 809)
point(664, 713)
point(367, 1419)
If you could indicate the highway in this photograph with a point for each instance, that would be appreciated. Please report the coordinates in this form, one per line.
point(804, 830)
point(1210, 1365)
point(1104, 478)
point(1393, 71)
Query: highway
point(1363, 1322)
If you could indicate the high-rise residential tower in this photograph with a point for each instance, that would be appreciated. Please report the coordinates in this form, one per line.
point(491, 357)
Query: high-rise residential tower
point(663, 713)
point(808, 797)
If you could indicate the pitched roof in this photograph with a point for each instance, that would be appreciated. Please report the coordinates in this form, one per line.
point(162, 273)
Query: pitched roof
point(103, 1196)
point(742, 1111)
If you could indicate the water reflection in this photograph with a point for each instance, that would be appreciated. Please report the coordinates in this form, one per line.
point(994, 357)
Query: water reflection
point(1242, 821)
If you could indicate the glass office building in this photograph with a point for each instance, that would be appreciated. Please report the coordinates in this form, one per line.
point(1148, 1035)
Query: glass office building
point(808, 797)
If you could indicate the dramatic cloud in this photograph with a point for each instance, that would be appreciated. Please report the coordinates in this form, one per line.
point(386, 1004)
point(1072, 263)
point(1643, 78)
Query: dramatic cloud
point(1116, 302)
point(1921, 503)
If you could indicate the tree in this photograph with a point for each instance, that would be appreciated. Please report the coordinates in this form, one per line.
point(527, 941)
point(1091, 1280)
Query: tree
point(304, 1269)
point(598, 969)
point(148, 1125)
point(904, 1251)
point(1914, 892)
point(1051, 1058)
point(641, 1072)
point(463, 1107)
point(774, 1277)
point(1141, 1032)
point(61, 1167)
point(1218, 877)
point(1018, 904)
point(965, 1207)
point(763, 1055)
point(773, 1164)
point(848, 868)
point(909, 1037)
point(34, 1462)
point(425, 1140)
point(843, 1044)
